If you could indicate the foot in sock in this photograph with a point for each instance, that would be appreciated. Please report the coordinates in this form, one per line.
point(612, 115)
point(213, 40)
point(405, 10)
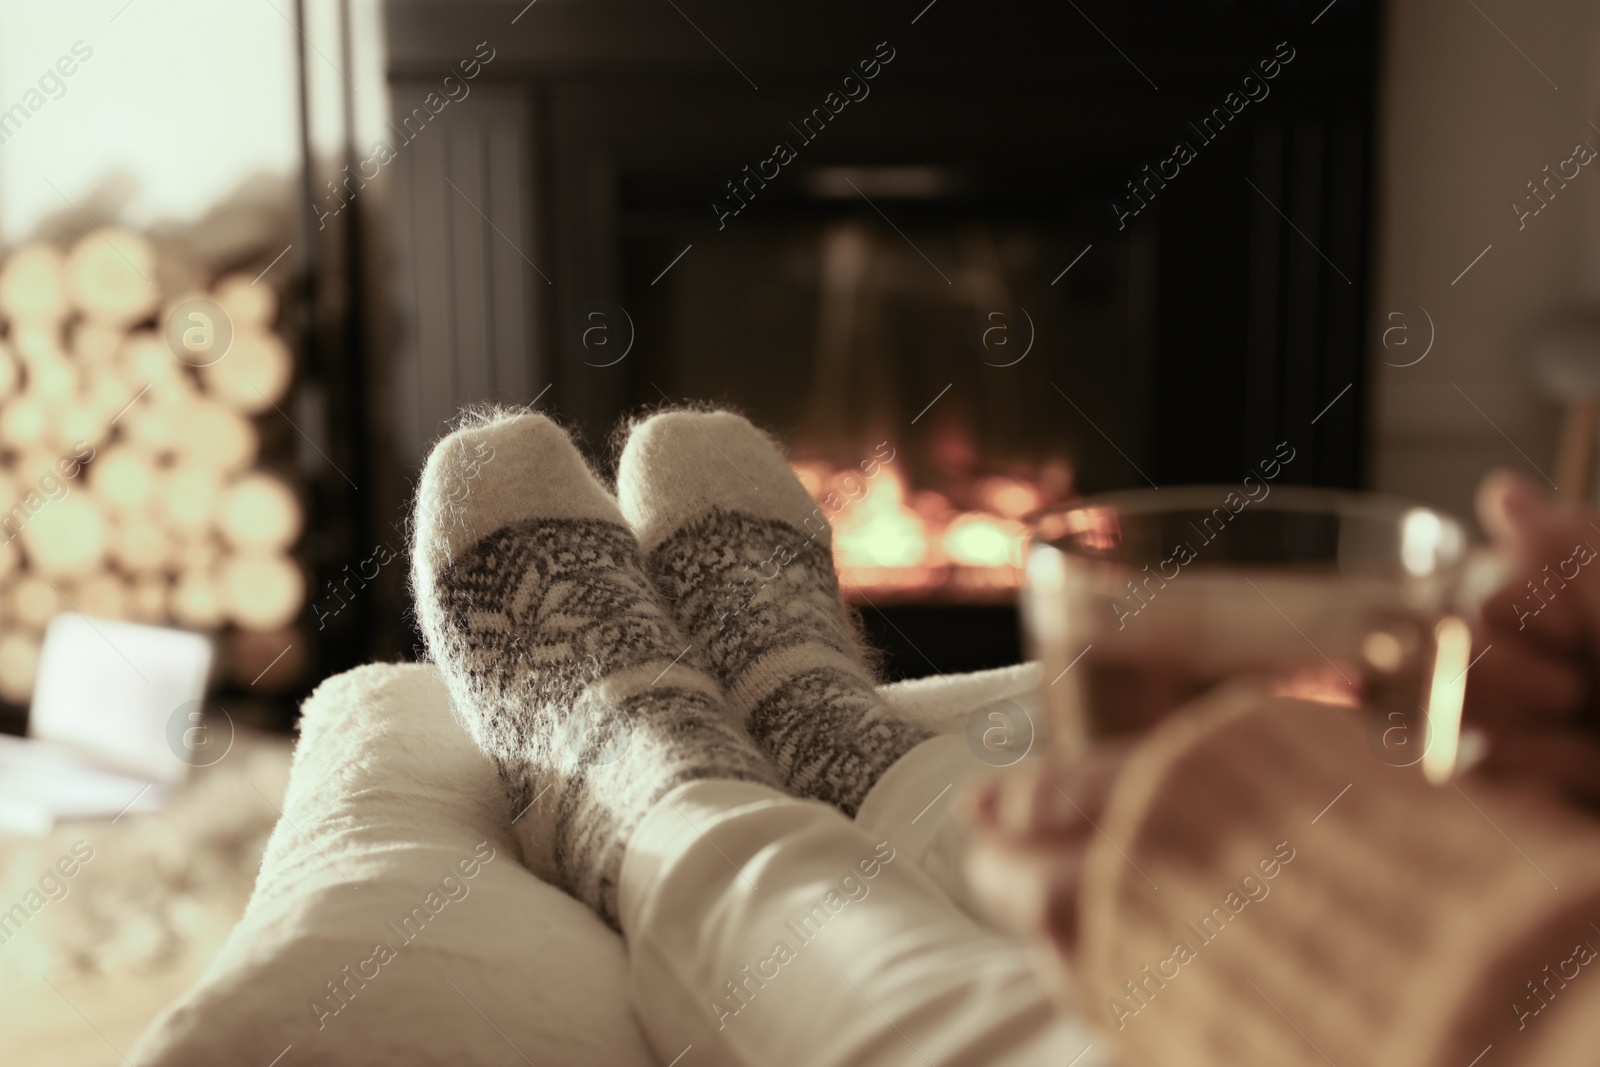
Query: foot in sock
point(562, 660)
point(737, 545)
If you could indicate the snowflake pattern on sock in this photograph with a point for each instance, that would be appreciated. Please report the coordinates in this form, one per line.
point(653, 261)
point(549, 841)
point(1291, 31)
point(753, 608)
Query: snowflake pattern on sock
point(745, 586)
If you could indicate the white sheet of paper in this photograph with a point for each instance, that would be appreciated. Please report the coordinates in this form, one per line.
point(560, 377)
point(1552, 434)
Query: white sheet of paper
point(120, 693)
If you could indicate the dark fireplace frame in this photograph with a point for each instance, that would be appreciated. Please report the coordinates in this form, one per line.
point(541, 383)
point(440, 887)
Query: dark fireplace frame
point(597, 120)
point(1260, 246)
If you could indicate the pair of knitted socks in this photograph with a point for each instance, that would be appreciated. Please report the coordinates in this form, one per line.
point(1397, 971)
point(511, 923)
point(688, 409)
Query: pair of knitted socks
point(604, 650)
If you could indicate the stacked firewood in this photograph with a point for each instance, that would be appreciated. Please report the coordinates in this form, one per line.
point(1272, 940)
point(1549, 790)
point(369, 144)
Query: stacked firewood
point(128, 487)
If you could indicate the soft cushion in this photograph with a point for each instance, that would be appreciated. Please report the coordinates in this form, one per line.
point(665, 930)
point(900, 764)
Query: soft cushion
point(392, 922)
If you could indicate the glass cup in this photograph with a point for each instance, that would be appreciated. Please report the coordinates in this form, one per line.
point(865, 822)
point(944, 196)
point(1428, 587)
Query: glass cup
point(1138, 603)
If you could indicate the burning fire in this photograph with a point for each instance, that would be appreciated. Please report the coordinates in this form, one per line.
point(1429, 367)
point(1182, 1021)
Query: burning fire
point(895, 542)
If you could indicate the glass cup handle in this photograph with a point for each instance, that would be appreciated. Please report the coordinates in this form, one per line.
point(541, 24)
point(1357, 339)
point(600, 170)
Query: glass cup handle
point(1447, 692)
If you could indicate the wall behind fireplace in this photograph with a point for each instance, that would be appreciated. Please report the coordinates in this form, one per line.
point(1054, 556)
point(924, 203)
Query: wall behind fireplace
point(1468, 118)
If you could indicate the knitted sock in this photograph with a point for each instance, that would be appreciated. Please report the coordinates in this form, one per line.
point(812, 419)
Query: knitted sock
point(732, 538)
point(562, 660)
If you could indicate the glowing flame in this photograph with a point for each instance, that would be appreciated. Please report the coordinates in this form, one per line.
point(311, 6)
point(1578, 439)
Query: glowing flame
point(891, 539)
point(981, 541)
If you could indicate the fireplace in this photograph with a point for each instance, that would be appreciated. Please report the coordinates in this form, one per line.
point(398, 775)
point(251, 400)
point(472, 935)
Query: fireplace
point(950, 253)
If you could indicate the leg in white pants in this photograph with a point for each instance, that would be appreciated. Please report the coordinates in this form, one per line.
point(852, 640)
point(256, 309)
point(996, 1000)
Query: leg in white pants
point(767, 930)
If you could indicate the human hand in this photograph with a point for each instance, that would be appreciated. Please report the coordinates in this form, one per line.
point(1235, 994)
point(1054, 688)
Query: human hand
point(1534, 689)
point(1032, 829)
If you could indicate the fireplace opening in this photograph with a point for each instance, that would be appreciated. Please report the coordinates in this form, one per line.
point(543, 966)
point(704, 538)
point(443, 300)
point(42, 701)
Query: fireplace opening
point(924, 365)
